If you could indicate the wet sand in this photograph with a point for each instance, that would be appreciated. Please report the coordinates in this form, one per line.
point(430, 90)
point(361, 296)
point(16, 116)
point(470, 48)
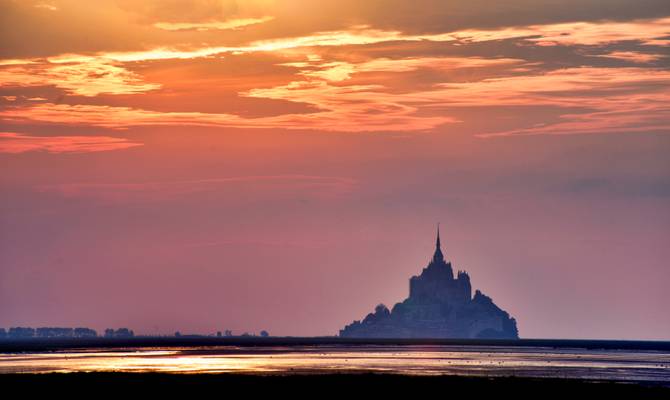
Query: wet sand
point(315, 366)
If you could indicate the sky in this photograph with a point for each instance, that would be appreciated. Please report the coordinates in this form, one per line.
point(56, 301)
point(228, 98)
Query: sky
point(205, 165)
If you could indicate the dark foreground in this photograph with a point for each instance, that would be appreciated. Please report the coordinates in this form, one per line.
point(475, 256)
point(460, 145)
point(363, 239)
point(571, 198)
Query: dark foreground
point(314, 386)
point(49, 344)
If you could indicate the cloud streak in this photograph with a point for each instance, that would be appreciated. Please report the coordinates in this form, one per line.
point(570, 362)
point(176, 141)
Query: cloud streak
point(16, 143)
point(212, 25)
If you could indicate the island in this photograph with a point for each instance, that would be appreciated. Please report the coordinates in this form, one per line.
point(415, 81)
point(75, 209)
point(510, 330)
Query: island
point(438, 306)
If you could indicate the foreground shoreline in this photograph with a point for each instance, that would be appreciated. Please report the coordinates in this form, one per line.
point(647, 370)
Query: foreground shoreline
point(54, 344)
point(343, 384)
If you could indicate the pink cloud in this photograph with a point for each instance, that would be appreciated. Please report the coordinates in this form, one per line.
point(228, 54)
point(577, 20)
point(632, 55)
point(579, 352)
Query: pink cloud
point(19, 143)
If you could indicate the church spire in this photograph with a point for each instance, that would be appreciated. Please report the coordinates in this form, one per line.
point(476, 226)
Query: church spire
point(438, 256)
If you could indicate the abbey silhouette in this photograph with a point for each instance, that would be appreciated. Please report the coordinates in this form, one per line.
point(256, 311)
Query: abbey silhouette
point(438, 306)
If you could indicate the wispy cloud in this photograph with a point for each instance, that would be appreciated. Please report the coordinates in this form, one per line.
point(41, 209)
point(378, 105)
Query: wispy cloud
point(633, 56)
point(576, 33)
point(367, 117)
point(81, 75)
point(11, 142)
point(212, 25)
point(46, 6)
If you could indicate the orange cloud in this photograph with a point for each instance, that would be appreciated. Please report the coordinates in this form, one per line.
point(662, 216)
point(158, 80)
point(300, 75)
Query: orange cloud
point(358, 94)
point(105, 73)
point(341, 70)
point(358, 35)
point(633, 56)
point(624, 100)
point(11, 142)
point(341, 107)
point(568, 87)
point(46, 6)
point(575, 33)
point(598, 33)
point(612, 102)
point(81, 75)
point(368, 117)
point(212, 25)
point(582, 33)
point(16, 62)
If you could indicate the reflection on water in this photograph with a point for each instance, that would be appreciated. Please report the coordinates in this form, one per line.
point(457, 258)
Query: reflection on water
point(423, 360)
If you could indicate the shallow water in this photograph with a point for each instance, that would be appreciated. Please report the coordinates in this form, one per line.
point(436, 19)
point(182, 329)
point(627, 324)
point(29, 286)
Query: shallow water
point(617, 365)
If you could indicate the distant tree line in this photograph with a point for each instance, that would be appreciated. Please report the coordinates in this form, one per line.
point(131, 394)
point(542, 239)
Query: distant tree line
point(119, 333)
point(53, 332)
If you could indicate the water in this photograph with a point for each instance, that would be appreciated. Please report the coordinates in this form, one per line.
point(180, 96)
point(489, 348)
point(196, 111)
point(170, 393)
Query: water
point(615, 365)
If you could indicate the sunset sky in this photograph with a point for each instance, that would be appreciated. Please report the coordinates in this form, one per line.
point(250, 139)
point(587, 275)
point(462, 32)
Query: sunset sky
point(282, 164)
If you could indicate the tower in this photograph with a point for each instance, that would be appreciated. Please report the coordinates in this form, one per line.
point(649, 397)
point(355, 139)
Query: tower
point(438, 257)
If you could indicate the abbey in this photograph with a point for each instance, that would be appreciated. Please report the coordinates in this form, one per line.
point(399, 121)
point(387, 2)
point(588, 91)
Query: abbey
point(438, 306)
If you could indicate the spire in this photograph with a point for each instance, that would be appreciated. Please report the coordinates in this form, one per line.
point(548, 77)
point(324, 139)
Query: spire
point(438, 256)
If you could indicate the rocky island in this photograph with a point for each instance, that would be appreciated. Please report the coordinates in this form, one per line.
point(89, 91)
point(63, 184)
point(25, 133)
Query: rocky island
point(438, 306)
